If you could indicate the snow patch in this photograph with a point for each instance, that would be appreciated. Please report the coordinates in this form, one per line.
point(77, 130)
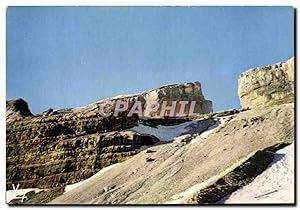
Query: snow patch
point(173, 132)
point(165, 133)
point(203, 135)
point(18, 194)
point(274, 185)
point(75, 185)
point(211, 129)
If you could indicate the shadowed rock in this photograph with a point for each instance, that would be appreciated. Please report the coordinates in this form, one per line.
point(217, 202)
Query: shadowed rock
point(17, 110)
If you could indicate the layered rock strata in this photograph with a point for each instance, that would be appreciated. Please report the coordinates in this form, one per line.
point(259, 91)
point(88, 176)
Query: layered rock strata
point(60, 147)
point(268, 84)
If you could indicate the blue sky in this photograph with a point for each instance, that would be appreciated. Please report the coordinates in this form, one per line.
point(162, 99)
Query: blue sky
point(60, 57)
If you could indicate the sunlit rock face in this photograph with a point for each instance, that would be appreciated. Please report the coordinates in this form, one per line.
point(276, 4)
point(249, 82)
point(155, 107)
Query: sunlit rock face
point(170, 94)
point(59, 147)
point(268, 84)
point(184, 92)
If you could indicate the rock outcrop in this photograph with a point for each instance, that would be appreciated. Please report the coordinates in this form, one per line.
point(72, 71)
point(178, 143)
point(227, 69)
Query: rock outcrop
point(183, 92)
point(60, 147)
point(268, 84)
point(17, 110)
point(178, 92)
point(59, 160)
point(194, 171)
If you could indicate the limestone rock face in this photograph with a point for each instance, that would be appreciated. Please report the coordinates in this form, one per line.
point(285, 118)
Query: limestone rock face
point(60, 147)
point(17, 110)
point(56, 161)
point(264, 85)
point(67, 146)
point(178, 92)
point(184, 92)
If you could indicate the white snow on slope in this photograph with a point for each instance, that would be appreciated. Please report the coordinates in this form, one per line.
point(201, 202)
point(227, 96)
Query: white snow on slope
point(18, 194)
point(169, 133)
point(205, 134)
point(75, 185)
point(211, 129)
point(274, 185)
point(164, 133)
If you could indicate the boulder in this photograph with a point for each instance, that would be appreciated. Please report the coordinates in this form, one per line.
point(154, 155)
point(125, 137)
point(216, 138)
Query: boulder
point(16, 110)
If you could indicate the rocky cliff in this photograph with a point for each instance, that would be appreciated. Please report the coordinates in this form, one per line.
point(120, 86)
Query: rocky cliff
point(60, 147)
point(206, 159)
point(207, 166)
point(178, 92)
point(264, 85)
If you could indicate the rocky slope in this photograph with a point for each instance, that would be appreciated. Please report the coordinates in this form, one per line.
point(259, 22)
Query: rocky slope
point(60, 147)
point(204, 167)
point(262, 85)
point(185, 171)
point(203, 159)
